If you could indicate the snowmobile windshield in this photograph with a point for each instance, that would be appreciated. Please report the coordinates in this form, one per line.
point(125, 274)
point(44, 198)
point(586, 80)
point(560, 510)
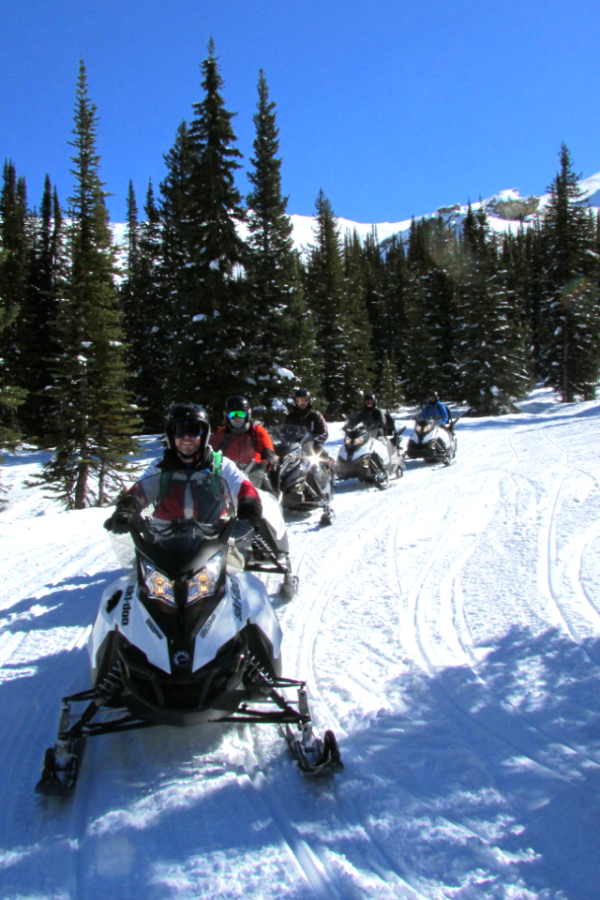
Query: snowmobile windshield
point(359, 424)
point(171, 498)
point(290, 439)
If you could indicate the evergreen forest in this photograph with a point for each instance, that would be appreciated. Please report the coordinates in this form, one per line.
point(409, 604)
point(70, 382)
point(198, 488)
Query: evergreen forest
point(209, 297)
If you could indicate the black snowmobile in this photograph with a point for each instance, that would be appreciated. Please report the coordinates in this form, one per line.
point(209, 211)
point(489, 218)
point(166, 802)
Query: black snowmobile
point(305, 476)
point(185, 637)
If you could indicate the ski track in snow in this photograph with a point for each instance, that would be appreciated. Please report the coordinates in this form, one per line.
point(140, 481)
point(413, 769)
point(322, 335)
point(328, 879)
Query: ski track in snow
point(448, 630)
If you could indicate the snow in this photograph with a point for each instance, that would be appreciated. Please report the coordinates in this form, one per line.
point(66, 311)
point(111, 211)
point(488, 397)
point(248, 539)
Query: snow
point(449, 632)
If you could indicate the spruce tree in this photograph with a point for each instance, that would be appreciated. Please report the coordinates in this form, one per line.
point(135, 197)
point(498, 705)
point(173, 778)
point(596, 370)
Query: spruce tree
point(429, 362)
point(149, 323)
point(491, 354)
point(11, 397)
point(570, 310)
point(343, 333)
point(395, 304)
point(36, 332)
point(209, 339)
point(92, 417)
point(281, 344)
point(15, 241)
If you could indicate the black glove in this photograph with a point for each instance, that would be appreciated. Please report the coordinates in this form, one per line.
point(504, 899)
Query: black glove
point(250, 508)
point(126, 510)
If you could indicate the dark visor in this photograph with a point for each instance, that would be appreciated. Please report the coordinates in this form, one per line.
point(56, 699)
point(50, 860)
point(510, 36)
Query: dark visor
point(192, 428)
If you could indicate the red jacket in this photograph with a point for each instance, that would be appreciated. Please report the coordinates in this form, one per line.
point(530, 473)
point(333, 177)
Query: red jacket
point(254, 444)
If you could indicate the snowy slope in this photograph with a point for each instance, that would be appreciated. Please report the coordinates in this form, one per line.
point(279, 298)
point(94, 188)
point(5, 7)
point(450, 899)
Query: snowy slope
point(449, 630)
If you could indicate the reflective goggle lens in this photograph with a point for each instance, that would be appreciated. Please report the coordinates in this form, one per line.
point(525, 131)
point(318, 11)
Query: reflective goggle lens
point(192, 429)
point(240, 414)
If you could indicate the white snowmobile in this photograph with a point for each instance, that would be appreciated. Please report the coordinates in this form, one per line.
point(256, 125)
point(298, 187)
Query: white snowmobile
point(432, 441)
point(186, 636)
point(367, 456)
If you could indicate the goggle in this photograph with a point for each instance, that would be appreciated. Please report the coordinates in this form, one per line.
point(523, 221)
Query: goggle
point(238, 414)
point(301, 401)
point(188, 429)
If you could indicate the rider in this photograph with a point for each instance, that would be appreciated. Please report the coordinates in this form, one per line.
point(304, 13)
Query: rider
point(304, 414)
point(188, 449)
point(240, 439)
point(372, 416)
point(435, 409)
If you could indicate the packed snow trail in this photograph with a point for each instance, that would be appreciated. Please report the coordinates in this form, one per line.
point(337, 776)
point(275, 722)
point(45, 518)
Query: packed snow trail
point(449, 632)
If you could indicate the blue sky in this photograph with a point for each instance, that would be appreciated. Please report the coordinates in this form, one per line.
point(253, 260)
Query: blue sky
point(392, 107)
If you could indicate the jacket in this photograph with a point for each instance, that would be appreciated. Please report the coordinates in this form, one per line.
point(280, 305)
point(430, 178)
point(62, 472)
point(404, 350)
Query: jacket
point(313, 421)
point(435, 410)
point(255, 444)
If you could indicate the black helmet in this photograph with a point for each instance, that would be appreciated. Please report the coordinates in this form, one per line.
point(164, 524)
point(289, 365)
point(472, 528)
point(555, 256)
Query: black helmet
point(187, 418)
point(433, 397)
point(302, 392)
point(237, 412)
point(369, 396)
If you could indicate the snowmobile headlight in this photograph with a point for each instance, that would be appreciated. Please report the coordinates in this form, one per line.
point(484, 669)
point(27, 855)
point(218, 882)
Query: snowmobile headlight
point(357, 441)
point(159, 586)
point(204, 582)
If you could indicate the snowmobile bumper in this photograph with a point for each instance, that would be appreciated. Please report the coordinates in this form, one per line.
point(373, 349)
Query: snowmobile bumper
point(428, 452)
point(353, 468)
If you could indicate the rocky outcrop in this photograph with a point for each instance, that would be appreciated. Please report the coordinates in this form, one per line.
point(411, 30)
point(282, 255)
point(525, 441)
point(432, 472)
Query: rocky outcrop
point(515, 208)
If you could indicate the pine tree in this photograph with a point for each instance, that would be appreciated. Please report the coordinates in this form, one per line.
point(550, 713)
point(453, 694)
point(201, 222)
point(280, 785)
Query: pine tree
point(343, 334)
point(15, 241)
point(280, 329)
point(430, 311)
point(570, 310)
point(394, 318)
point(10, 397)
point(36, 333)
point(93, 420)
point(208, 326)
point(491, 354)
point(149, 334)
point(389, 389)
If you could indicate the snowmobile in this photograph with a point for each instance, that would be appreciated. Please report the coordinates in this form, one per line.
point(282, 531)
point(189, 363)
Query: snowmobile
point(268, 548)
point(185, 637)
point(431, 441)
point(367, 456)
point(304, 479)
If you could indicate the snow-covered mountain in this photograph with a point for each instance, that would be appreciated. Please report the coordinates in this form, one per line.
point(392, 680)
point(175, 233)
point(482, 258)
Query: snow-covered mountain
point(449, 632)
point(507, 211)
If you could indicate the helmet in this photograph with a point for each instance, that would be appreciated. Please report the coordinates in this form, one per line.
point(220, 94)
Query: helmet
point(302, 393)
point(433, 397)
point(369, 396)
point(237, 412)
point(187, 418)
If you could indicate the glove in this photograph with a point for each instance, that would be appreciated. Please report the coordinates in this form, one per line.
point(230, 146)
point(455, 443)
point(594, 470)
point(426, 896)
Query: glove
point(127, 509)
point(250, 508)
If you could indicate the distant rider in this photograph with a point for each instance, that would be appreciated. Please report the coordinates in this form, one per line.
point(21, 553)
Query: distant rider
point(187, 432)
point(378, 420)
point(303, 414)
point(435, 409)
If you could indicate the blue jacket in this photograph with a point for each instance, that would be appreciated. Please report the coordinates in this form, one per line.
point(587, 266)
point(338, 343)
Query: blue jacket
point(435, 409)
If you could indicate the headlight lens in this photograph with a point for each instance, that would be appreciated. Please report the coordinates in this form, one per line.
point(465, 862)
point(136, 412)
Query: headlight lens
point(203, 583)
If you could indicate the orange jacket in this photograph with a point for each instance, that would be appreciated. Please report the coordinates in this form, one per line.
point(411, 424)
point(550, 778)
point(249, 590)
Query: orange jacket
point(254, 444)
